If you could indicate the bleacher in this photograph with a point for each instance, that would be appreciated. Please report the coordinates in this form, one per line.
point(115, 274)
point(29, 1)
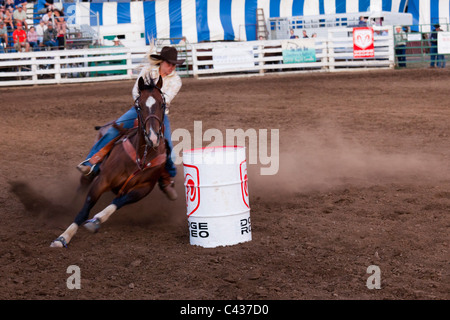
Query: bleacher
point(30, 10)
point(77, 36)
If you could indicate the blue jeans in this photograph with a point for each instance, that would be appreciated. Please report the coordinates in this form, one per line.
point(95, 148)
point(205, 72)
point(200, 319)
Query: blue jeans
point(51, 43)
point(34, 45)
point(440, 62)
point(433, 52)
point(400, 51)
point(127, 119)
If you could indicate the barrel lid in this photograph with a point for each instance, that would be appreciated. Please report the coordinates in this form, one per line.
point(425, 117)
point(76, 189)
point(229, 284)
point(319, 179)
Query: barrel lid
point(212, 149)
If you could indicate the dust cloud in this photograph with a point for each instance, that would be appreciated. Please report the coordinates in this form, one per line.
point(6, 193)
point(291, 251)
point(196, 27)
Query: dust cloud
point(323, 159)
point(57, 201)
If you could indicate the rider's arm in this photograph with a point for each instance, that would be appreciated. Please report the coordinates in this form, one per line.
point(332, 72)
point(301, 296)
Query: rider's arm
point(171, 87)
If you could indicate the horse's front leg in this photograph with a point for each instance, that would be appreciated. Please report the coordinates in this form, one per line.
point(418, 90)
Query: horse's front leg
point(133, 196)
point(98, 188)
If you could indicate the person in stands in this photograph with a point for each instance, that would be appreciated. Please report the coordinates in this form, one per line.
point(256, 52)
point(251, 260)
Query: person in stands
point(19, 15)
point(50, 37)
point(8, 19)
point(3, 36)
point(40, 29)
point(20, 39)
point(33, 38)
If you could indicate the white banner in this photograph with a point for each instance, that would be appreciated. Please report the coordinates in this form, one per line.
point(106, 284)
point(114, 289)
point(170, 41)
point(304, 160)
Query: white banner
point(234, 56)
point(443, 42)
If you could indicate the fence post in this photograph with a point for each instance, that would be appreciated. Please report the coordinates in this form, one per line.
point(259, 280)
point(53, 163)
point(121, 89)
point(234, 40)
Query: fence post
point(34, 69)
point(391, 48)
point(194, 61)
point(129, 65)
point(330, 51)
point(261, 57)
point(58, 69)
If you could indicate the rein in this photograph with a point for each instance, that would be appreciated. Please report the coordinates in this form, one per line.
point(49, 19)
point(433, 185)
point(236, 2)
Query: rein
point(143, 123)
point(133, 151)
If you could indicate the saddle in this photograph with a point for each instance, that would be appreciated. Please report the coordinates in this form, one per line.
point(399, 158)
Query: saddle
point(103, 152)
point(124, 135)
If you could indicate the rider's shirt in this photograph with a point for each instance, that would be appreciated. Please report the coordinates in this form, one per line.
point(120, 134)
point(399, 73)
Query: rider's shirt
point(171, 83)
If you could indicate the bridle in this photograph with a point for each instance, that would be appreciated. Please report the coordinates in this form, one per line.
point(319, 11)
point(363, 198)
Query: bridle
point(143, 122)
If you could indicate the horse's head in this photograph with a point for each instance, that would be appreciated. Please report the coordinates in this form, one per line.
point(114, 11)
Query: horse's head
point(150, 107)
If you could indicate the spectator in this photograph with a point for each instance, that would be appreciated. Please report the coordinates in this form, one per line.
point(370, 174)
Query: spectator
point(9, 5)
point(2, 10)
point(48, 17)
point(40, 28)
point(50, 37)
point(20, 39)
point(33, 38)
point(400, 46)
point(362, 22)
point(60, 25)
point(292, 36)
point(48, 5)
point(8, 19)
point(440, 57)
point(20, 16)
point(3, 36)
point(24, 3)
point(434, 48)
point(305, 34)
point(117, 42)
point(314, 35)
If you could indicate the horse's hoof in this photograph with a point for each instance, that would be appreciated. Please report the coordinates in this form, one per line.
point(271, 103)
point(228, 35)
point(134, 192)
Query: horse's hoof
point(59, 242)
point(92, 225)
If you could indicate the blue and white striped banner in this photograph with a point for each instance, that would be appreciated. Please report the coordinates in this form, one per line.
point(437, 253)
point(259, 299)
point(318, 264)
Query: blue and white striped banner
point(426, 12)
point(215, 20)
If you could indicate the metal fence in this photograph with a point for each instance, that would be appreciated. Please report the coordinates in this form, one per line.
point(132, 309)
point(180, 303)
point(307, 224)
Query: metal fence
point(418, 51)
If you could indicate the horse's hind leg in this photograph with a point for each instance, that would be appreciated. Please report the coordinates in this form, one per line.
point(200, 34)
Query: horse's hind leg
point(133, 196)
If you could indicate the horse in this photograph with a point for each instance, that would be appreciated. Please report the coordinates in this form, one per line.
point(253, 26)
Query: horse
point(132, 167)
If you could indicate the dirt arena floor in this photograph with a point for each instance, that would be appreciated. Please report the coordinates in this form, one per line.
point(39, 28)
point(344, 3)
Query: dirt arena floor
point(363, 180)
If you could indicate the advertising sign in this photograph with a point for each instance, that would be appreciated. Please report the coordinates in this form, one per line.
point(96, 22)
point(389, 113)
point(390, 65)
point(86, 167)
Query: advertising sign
point(443, 42)
point(298, 50)
point(363, 46)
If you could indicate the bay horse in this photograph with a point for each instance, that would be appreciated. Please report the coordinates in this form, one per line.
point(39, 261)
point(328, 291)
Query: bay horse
point(133, 166)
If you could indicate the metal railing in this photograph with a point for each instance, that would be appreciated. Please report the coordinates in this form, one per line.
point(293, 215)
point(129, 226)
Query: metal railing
point(418, 52)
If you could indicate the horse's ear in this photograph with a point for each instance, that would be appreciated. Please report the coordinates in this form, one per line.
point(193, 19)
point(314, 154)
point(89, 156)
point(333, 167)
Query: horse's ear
point(160, 82)
point(141, 84)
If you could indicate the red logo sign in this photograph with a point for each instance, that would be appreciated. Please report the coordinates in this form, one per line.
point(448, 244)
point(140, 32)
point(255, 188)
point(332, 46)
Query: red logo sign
point(363, 46)
point(191, 183)
point(244, 183)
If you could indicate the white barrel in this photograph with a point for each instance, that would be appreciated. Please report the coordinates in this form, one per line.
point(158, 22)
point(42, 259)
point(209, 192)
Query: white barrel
point(216, 186)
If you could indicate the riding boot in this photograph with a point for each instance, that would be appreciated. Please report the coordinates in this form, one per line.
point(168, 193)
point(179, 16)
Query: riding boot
point(167, 185)
point(87, 169)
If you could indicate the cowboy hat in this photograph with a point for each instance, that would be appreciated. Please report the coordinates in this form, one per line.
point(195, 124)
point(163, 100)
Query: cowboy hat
point(168, 54)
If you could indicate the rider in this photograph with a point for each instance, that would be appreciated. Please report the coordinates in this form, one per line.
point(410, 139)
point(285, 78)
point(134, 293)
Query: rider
point(163, 65)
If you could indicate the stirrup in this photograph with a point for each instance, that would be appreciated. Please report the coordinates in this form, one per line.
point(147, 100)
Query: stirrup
point(82, 164)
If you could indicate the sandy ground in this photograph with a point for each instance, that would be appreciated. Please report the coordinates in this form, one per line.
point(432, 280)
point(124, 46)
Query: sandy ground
point(363, 181)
